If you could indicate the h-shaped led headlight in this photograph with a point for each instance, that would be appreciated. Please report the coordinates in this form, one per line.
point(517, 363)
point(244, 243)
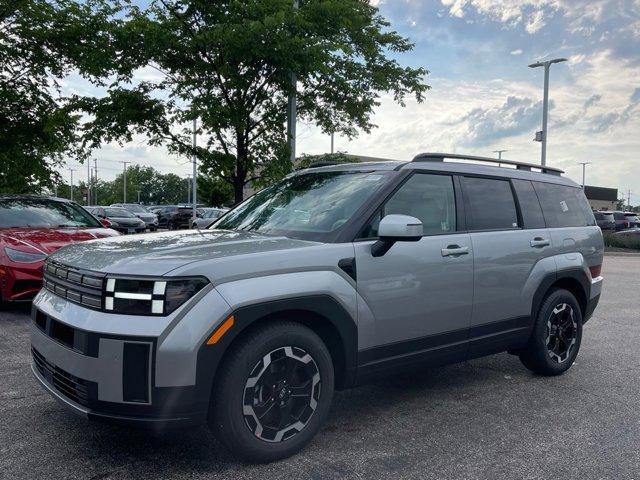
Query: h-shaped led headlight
point(160, 296)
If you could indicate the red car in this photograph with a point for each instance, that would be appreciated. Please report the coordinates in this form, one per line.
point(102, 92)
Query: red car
point(31, 228)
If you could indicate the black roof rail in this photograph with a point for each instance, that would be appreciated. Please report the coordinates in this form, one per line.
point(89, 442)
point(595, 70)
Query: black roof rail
point(440, 157)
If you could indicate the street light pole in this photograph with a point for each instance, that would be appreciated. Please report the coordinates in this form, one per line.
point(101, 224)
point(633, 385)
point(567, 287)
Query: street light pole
point(124, 195)
point(500, 152)
point(584, 164)
point(545, 104)
point(292, 110)
point(88, 183)
point(332, 142)
point(195, 175)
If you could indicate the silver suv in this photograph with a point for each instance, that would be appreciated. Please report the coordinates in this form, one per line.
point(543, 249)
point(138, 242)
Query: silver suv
point(332, 277)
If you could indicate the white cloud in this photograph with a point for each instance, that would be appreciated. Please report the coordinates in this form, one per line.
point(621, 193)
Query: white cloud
point(595, 116)
point(582, 15)
point(516, 52)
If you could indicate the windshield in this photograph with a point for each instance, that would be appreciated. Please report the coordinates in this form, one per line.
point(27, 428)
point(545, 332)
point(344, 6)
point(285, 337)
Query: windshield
point(136, 208)
point(309, 205)
point(43, 213)
point(117, 213)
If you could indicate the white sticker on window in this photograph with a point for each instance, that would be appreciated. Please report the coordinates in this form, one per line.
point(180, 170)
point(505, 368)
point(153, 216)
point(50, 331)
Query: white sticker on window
point(564, 206)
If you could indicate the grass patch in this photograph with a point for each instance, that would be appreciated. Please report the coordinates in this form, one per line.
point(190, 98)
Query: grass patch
point(621, 241)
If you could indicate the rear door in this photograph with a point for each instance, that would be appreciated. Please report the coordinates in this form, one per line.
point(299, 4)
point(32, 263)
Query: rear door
point(509, 239)
point(420, 293)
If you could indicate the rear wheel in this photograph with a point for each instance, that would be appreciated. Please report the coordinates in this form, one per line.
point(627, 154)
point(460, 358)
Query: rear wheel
point(556, 337)
point(274, 392)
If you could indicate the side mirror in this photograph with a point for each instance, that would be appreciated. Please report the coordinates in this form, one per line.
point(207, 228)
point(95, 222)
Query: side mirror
point(396, 228)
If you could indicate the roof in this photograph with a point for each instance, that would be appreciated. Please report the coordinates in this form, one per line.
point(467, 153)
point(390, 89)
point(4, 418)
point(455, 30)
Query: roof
point(451, 167)
point(601, 193)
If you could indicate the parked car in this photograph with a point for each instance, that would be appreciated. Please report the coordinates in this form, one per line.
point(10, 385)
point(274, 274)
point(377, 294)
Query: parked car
point(150, 219)
point(207, 216)
point(31, 228)
point(622, 221)
point(333, 277)
point(605, 220)
point(174, 217)
point(630, 232)
point(119, 219)
point(634, 220)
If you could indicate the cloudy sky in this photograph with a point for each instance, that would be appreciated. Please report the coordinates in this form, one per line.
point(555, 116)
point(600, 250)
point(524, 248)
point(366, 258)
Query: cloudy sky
point(483, 96)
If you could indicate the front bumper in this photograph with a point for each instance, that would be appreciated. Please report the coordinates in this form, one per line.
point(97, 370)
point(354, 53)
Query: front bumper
point(116, 368)
point(20, 282)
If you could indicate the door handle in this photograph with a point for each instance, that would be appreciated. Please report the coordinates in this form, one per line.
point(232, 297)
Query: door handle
point(539, 242)
point(454, 250)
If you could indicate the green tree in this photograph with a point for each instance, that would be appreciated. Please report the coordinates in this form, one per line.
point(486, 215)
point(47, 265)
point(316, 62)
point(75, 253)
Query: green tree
point(40, 42)
point(227, 64)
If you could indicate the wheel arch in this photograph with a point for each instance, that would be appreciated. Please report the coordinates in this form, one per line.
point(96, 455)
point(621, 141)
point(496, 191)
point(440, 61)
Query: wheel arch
point(321, 313)
point(575, 281)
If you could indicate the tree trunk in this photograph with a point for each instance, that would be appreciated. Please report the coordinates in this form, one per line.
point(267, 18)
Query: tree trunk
point(240, 177)
point(238, 189)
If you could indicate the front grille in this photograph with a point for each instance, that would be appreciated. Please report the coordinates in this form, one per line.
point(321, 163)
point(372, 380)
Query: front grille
point(72, 387)
point(74, 285)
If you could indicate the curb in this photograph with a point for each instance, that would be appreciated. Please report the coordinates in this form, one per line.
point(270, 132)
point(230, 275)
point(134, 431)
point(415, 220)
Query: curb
point(622, 254)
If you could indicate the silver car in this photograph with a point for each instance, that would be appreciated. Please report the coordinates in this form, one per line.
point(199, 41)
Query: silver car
point(207, 216)
point(335, 276)
point(150, 219)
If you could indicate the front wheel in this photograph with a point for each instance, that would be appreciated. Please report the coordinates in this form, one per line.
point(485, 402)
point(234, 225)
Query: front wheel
point(556, 337)
point(274, 392)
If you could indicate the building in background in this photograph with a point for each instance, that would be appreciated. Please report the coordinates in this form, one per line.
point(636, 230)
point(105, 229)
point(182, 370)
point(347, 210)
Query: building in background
point(601, 198)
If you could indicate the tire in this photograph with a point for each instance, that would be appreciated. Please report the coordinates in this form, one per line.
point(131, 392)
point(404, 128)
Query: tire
point(171, 226)
point(247, 389)
point(556, 337)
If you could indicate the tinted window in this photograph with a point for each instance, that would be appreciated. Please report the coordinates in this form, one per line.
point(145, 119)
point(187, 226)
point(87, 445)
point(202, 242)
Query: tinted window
point(117, 213)
point(429, 198)
point(529, 204)
point(564, 206)
point(491, 204)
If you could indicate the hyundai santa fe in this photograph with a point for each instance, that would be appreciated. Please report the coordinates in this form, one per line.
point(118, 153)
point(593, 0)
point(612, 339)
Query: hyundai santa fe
point(326, 280)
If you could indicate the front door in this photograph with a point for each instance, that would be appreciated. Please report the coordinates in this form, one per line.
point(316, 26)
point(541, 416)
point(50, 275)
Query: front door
point(420, 293)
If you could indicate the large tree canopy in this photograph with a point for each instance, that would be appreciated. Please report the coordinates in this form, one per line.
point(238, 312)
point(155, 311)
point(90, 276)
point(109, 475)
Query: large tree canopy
point(40, 42)
point(227, 64)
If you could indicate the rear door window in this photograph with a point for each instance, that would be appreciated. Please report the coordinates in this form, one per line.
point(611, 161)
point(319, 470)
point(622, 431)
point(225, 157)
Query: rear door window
point(563, 205)
point(490, 204)
point(529, 204)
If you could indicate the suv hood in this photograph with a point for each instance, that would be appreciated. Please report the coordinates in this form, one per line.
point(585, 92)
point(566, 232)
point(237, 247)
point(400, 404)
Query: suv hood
point(159, 253)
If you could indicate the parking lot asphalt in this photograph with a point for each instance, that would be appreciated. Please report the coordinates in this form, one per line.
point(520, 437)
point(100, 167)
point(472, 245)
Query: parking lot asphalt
point(486, 418)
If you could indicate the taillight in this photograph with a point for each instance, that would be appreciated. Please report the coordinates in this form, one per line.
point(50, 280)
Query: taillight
point(626, 224)
point(595, 270)
point(105, 222)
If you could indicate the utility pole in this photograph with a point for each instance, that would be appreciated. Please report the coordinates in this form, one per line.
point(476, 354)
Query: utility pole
point(71, 189)
point(542, 136)
point(88, 183)
point(95, 172)
point(629, 199)
point(124, 195)
point(584, 164)
point(292, 110)
point(195, 174)
point(332, 142)
point(188, 188)
point(500, 152)
point(138, 197)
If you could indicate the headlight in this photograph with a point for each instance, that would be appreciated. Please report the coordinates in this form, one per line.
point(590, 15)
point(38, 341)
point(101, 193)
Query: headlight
point(19, 256)
point(149, 297)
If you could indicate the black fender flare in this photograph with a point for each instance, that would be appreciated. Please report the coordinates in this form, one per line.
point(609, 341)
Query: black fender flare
point(576, 274)
point(322, 307)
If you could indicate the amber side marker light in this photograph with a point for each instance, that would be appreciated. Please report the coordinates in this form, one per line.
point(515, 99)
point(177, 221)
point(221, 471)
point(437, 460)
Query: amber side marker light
point(221, 330)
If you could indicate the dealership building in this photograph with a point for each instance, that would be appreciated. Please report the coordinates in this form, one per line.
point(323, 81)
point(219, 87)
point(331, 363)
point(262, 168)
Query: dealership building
point(601, 198)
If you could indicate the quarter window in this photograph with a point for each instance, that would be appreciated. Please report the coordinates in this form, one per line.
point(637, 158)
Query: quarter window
point(429, 198)
point(564, 206)
point(491, 204)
